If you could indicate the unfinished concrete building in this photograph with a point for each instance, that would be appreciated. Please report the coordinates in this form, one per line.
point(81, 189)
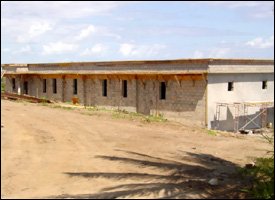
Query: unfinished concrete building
point(225, 94)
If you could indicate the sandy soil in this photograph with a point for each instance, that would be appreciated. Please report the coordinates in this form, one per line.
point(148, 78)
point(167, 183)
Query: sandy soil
point(55, 153)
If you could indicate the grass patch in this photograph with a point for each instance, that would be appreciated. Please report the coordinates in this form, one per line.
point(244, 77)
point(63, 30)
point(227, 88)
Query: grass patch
point(123, 114)
point(155, 118)
point(211, 132)
point(116, 114)
point(56, 106)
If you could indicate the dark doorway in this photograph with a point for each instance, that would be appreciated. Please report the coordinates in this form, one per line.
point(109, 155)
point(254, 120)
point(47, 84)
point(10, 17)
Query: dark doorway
point(13, 84)
point(124, 88)
point(162, 90)
point(75, 86)
point(104, 88)
point(26, 87)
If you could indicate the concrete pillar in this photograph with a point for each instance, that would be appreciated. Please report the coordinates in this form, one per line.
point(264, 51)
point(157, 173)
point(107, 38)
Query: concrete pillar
point(19, 90)
point(84, 78)
point(63, 88)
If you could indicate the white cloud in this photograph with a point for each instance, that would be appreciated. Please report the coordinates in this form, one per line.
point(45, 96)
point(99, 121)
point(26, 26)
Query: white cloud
point(39, 28)
point(261, 43)
point(96, 31)
point(84, 33)
point(35, 29)
point(96, 49)
point(126, 49)
point(59, 48)
point(133, 50)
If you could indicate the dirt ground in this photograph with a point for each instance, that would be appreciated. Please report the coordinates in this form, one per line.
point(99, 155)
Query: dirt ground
point(56, 153)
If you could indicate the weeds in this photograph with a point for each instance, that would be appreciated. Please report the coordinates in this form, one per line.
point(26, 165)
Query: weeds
point(155, 118)
point(123, 114)
point(116, 114)
point(211, 132)
point(262, 175)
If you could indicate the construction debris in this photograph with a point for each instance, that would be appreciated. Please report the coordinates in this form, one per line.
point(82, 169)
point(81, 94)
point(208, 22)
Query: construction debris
point(13, 96)
point(250, 165)
point(246, 131)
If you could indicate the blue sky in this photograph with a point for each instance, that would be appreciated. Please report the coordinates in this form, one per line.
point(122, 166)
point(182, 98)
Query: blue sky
point(37, 32)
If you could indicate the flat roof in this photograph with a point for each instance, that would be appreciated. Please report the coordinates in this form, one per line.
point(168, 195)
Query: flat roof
point(209, 61)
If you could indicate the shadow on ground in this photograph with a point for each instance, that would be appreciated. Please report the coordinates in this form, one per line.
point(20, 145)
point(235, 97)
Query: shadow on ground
point(173, 179)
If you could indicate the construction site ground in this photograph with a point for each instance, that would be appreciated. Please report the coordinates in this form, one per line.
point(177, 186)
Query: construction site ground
point(48, 151)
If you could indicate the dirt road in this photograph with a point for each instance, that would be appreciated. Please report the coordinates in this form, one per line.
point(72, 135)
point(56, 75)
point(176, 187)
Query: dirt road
point(48, 152)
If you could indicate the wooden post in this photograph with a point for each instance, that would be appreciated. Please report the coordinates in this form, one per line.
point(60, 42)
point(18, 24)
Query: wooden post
point(19, 91)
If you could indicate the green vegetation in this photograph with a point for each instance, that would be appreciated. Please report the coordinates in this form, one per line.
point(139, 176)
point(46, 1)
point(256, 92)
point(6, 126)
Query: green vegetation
point(155, 118)
point(212, 132)
point(3, 84)
point(56, 106)
point(44, 99)
point(116, 114)
point(262, 175)
point(123, 114)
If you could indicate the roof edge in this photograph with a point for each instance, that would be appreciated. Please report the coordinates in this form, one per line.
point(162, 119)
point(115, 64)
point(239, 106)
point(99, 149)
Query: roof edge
point(175, 61)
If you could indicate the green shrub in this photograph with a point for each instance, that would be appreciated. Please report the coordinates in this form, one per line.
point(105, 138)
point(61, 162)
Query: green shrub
point(262, 175)
point(3, 84)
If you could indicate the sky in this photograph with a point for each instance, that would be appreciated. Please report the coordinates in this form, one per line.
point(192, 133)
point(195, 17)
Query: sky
point(64, 31)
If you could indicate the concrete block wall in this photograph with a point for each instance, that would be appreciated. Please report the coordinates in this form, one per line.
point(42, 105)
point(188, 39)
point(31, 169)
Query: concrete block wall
point(55, 96)
point(90, 92)
point(36, 88)
point(183, 100)
point(69, 90)
point(8, 86)
point(114, 94)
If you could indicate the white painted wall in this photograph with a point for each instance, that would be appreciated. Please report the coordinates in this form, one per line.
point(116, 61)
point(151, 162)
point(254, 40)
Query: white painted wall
point(247, 87)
